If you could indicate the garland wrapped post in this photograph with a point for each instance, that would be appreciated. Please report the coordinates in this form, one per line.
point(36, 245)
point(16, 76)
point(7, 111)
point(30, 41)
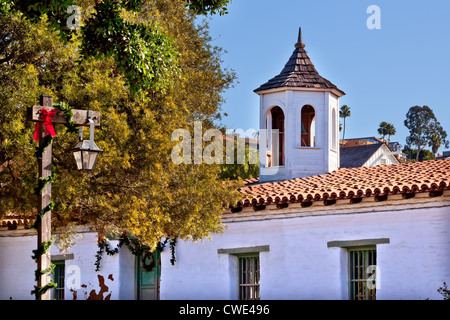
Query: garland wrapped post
point(44, 133)
point(44, 115)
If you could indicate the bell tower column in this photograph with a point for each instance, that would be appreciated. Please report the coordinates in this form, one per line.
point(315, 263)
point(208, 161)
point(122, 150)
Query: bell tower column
point(299, 121)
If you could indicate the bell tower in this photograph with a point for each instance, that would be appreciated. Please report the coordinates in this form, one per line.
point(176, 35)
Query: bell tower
point(299, 118)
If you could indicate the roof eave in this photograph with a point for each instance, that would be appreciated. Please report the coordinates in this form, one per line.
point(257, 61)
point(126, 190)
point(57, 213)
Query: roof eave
point(337, 92)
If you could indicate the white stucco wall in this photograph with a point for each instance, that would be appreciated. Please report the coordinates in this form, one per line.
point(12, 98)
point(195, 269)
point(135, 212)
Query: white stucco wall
point(82, 281)
point(299, 264)
point(302, 161)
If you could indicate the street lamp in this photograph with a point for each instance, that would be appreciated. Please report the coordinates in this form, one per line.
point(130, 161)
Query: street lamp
point(86, 151)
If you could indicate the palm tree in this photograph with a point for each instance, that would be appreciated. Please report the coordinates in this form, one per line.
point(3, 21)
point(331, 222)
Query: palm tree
point(344, 113)
point(382, 131)
point(435, 143)
point(390, 131)
point(386, 129)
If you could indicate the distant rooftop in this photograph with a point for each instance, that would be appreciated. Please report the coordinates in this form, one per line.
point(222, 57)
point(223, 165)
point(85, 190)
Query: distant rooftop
point(356, 156)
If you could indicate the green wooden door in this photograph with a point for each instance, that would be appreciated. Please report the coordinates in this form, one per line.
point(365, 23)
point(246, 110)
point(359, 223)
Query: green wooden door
point(148, 273)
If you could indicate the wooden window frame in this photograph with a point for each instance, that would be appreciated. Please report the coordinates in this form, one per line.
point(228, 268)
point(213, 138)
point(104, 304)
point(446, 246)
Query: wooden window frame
point(249, 276)
point(359, 260)
point(59, 277)
point(354, 245)
point(240, 254)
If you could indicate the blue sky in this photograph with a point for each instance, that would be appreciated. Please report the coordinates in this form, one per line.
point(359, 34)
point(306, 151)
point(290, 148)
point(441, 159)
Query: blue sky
point(383, 71)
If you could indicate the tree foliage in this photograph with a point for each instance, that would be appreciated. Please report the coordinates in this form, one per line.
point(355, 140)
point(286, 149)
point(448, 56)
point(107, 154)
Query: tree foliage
point(243, 163)
point(143, 53)
point(386, 129)
point(209, 6)
point(423, 155)
point(423, 128)
point(435, 142)
point(444, 291)
point(134, 187)
point(344, 113)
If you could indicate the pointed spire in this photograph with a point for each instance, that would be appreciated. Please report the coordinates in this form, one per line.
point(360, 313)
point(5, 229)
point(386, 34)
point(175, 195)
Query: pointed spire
point(299, 72)
point(299, 43)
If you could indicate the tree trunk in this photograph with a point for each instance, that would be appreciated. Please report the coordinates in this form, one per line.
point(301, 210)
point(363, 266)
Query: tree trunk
point(343, 134)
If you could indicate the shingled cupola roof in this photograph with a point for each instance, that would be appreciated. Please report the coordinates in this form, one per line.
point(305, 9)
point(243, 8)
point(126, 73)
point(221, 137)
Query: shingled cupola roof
point(299, 72)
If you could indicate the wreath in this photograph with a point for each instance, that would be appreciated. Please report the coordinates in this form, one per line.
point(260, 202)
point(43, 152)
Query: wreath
point(148, 262)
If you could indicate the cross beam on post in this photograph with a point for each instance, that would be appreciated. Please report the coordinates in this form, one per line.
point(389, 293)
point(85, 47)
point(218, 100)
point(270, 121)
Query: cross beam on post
point(81, 118)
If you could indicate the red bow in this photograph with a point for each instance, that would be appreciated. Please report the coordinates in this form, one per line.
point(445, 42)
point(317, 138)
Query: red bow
point(47, 116)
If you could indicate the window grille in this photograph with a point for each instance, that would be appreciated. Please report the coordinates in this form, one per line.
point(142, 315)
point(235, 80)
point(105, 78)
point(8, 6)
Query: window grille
point(249, 278)
point(58, 278)
point(362, 286)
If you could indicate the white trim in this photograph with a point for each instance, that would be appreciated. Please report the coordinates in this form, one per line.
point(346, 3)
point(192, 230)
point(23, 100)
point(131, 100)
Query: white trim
point(333, 91)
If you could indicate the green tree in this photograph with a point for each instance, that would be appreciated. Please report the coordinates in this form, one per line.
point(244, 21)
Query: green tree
point(344, 113)
point(231, 169)
point(142, 52)
point(382, 129)
point(135, 187)
point(423, 155)
point(386, 129)
point(423, 126)
point(209, 6)
point(390, 131)
point(435, 143)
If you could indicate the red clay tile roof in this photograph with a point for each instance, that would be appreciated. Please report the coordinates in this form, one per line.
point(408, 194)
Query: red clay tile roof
point(250, 181)
point(12, 222)
point(433, 175)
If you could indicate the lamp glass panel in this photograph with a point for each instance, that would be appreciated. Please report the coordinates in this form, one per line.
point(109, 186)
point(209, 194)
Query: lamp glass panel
point(92, 159)
point(77, 155)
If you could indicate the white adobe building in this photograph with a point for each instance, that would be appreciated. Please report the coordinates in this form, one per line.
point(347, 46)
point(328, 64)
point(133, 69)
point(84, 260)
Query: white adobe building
point(307, 230)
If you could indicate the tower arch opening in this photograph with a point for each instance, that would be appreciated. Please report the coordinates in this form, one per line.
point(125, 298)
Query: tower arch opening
point(275, 125)
point(308, 126)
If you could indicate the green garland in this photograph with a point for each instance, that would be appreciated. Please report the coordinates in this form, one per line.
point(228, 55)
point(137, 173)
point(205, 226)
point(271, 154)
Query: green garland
point(41, 214)
point(67, 110)
point(134, 246)
point(103, 245)
point(42, 249)
point(38, 291)
point(40, 150)
point(173, 242)
point(42, 182)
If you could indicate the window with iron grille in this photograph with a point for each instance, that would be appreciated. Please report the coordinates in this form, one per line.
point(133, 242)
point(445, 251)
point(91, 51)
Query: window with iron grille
point(58, 278)
point(249, 277)
point(362, 263)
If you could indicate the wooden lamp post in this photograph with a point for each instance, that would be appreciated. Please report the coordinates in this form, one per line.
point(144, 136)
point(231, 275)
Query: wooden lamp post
point(80, 118)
